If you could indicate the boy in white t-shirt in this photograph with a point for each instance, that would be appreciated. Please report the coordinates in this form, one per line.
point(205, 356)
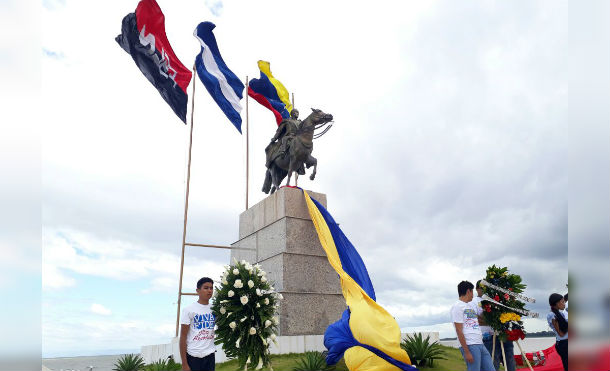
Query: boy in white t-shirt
point(197, 331)
point(464, 317)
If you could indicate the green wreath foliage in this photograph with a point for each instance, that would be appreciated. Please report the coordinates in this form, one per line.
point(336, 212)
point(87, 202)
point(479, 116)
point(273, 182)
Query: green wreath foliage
point(493, 314)
point(245, 305)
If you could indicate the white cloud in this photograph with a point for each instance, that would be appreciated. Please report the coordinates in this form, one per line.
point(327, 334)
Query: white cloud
point(104, 334)
point(100, 309)
point(67, 251)
point(215, 6)
point(53, 278)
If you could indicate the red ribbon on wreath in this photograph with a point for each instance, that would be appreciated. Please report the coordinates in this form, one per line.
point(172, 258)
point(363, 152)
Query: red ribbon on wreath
point(515, 334)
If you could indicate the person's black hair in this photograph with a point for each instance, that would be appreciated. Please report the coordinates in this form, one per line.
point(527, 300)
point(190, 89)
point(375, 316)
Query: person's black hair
point(478, 286)
point(561, 321)
point(204, 280)
point(565, 297)
point(463, 287)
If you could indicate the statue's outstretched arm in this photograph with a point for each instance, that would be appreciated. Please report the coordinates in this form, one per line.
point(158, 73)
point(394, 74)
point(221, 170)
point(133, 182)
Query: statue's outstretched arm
point(278, 132)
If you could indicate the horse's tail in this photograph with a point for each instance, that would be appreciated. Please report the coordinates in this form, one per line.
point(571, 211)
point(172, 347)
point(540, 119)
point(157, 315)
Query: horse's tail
point(267, 184)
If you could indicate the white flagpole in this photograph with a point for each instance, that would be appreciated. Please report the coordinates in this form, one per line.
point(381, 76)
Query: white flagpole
point(247, 145)
point(296, 175)
point(186, 205)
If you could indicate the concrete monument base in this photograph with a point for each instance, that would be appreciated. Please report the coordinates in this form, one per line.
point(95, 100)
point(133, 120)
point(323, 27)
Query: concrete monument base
point(278, 234)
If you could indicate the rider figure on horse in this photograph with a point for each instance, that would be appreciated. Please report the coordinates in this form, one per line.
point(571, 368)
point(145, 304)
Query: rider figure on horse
point(286, 132)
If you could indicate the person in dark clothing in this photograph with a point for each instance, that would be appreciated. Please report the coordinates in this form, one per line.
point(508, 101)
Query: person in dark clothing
point(558, 322)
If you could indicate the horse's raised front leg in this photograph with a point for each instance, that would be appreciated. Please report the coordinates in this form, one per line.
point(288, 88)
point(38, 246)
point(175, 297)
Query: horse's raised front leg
point(312, 161)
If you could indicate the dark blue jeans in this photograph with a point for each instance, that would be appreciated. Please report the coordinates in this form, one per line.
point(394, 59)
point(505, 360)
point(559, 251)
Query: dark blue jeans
point(508, 350)
point(207, 363)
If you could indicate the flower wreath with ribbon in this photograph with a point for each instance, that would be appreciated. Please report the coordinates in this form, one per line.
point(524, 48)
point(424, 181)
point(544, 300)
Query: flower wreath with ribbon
point(502, 301)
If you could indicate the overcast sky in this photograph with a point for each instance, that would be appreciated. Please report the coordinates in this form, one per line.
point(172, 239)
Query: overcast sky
point(448, 154)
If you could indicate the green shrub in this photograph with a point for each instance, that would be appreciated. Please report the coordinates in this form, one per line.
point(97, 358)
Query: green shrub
point(129, 362)
point(421, 351)
point(312, 361)
point(163, 365)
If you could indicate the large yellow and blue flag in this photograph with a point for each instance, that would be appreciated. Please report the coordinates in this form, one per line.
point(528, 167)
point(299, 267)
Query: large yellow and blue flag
point(366, 335)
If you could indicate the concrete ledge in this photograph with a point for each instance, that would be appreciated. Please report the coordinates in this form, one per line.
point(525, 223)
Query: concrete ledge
point(286, 202)
point(285, 345)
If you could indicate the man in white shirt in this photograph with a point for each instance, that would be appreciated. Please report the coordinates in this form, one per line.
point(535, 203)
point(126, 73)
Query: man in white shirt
point(464, 317)
point(197, 331)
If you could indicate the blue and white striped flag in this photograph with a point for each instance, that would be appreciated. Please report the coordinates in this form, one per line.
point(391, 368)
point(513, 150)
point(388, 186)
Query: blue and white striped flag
point(223, 85)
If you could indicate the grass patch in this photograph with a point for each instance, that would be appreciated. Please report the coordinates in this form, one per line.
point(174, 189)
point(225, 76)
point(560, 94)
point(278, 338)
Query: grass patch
point(280, 362)
point(286, 362)
point(454, 361)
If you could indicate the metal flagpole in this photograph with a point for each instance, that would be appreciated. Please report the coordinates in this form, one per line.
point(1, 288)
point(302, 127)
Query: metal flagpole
point(296, 175)
point(186, 204)
point(247, 146)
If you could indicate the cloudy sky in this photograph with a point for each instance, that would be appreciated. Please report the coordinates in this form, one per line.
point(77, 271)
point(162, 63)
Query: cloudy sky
point(447, 155)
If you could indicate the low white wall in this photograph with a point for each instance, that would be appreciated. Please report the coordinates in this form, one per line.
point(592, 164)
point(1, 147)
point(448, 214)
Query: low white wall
point(285, 345)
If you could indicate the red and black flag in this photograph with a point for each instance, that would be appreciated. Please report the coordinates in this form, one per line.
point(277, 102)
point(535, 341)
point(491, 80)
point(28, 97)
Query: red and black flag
point(143, 37)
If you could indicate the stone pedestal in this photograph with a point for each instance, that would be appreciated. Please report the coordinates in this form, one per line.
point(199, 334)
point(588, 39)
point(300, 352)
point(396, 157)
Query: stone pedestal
point(278, 234)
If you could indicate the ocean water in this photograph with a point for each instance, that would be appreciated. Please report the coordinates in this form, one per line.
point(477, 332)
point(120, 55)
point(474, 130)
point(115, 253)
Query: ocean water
point(529, 345)
point(99, 363)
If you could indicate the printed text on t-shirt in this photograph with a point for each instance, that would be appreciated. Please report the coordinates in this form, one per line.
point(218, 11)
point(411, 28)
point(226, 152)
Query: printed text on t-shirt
point(470, 318)
point(203, 321)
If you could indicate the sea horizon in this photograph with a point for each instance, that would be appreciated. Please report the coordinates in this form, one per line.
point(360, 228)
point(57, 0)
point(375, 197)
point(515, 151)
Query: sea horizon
point(76, 354)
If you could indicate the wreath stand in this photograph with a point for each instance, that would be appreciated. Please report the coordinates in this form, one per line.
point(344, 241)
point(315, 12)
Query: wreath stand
point(524, 356)
point(493, 351)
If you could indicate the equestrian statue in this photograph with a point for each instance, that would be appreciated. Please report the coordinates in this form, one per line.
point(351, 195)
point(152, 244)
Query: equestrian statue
point(290, 148)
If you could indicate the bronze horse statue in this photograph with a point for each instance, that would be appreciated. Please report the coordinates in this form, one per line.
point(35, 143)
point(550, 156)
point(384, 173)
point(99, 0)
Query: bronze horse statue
point(299, 152)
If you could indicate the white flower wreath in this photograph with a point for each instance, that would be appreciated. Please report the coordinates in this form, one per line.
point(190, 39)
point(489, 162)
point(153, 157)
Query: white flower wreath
point(246, 314)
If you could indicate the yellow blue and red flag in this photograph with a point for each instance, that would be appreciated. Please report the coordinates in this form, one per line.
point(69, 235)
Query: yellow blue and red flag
point(270, 92)
point(366, 335)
